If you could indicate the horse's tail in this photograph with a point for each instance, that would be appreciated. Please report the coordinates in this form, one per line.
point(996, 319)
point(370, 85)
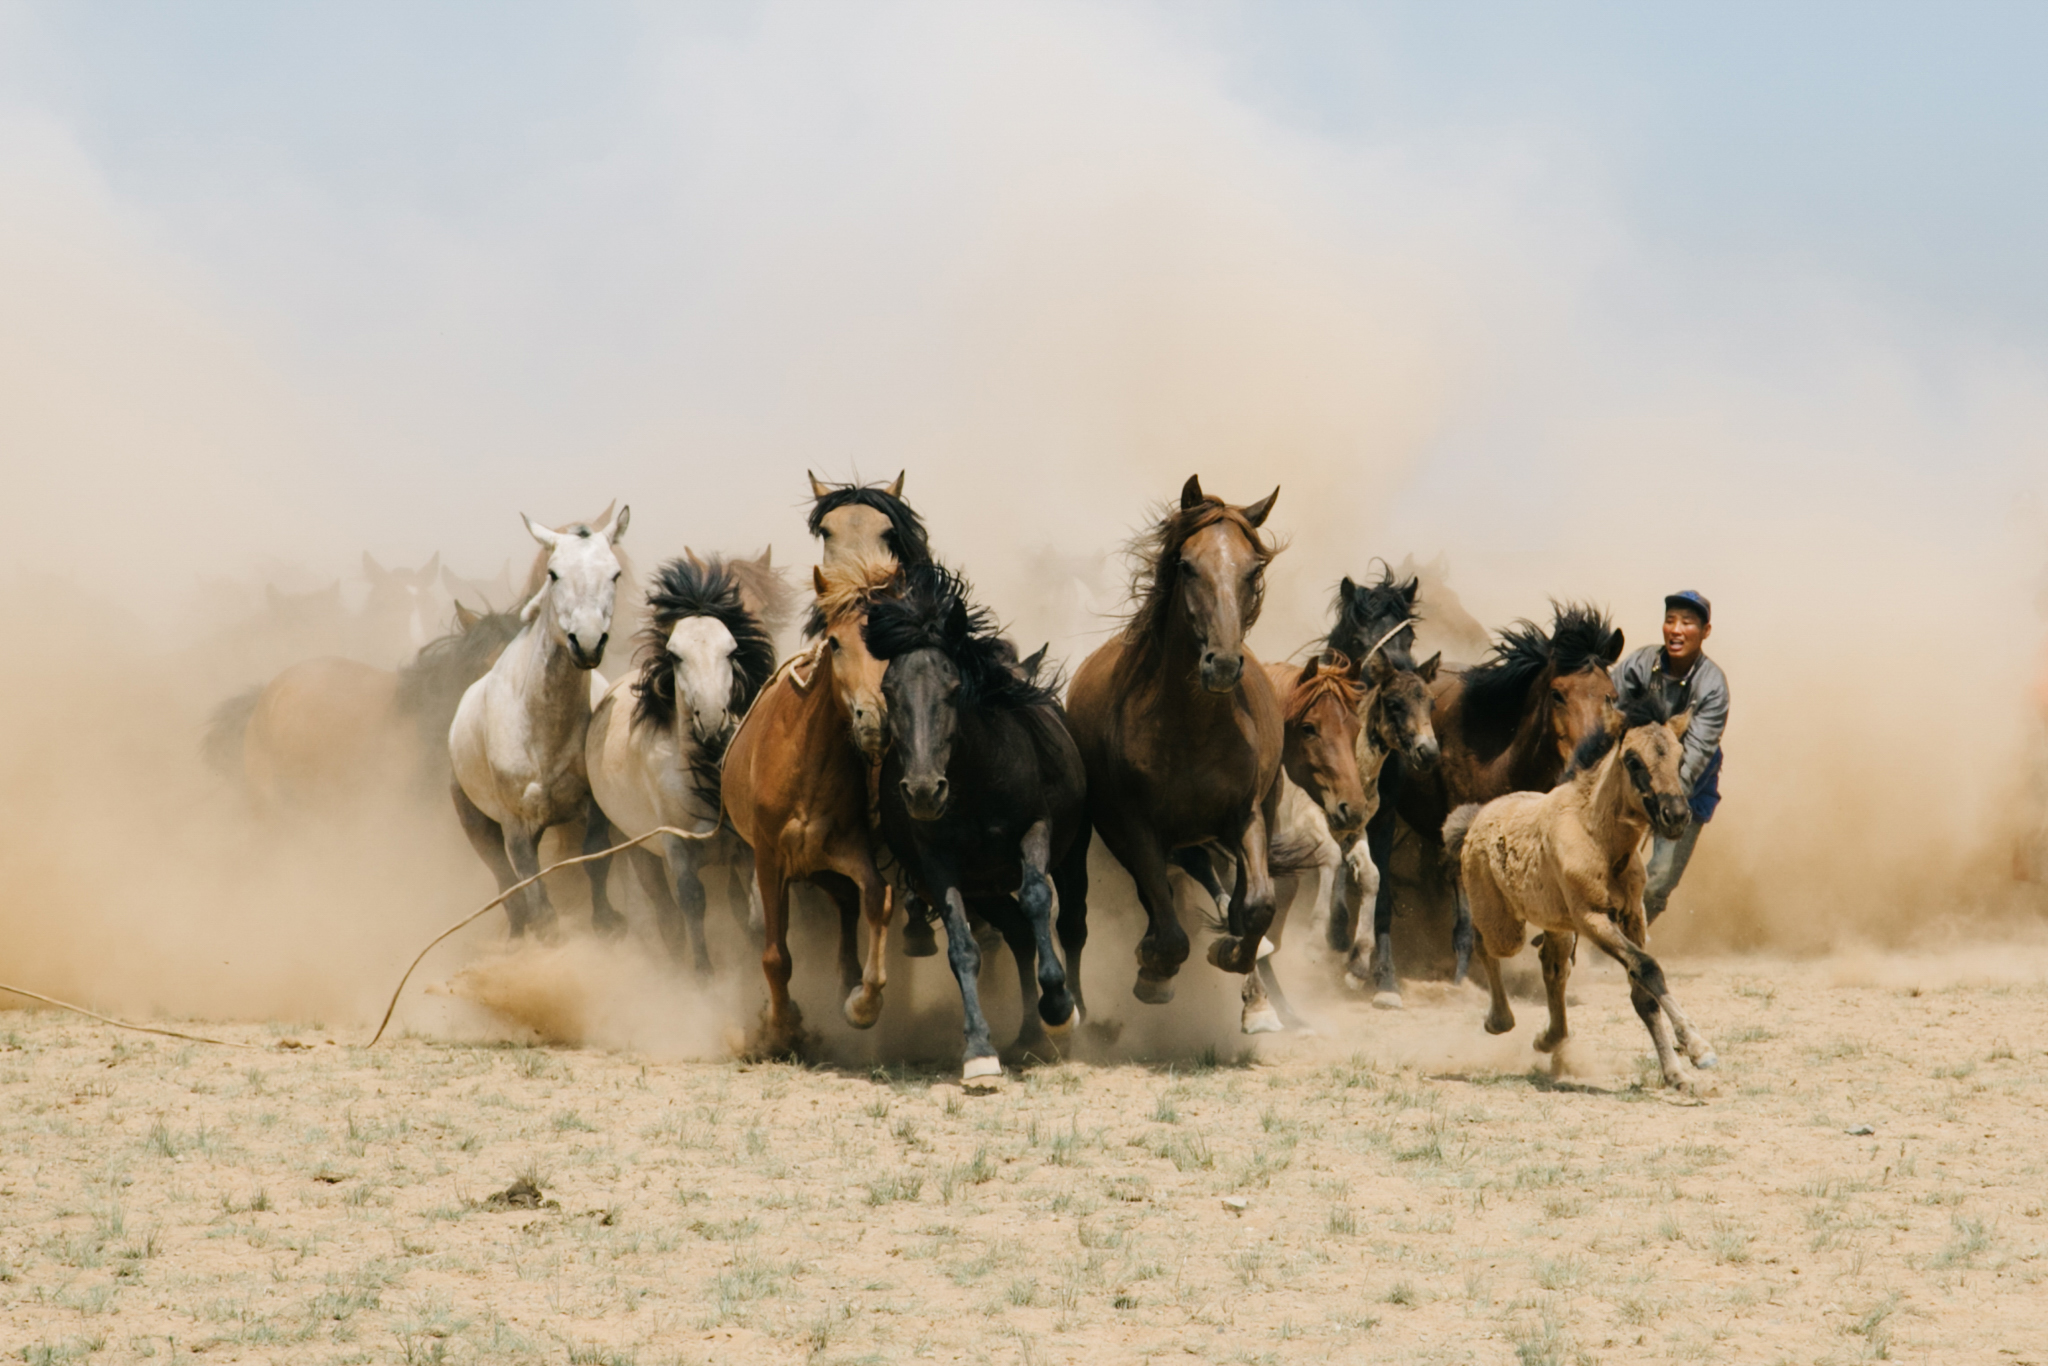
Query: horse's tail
point(1455, 830)
point(226, 730)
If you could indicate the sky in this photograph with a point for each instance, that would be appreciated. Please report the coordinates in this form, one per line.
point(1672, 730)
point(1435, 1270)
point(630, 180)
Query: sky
point(377, 275)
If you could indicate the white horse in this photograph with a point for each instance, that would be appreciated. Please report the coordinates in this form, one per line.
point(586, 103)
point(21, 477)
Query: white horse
point(656, 740)
point(517, 741)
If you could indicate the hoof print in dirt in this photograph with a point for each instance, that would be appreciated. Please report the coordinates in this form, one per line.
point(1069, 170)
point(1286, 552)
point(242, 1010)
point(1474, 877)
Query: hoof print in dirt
point(524, 1193)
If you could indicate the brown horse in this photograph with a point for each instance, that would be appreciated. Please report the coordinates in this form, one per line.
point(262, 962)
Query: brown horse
point(1181, 730)
point(796, 787)
point(1569, 861)
point(1509, 724)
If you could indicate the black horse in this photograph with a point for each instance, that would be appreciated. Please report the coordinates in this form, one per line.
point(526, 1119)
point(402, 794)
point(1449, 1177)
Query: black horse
point(983, 801)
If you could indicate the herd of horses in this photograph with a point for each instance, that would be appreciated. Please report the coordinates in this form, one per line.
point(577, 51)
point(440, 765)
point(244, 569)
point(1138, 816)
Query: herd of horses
point(908, 756)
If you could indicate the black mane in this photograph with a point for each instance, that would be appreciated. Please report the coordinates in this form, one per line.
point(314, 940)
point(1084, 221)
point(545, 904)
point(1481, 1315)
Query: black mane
point(431, 687)
point(707, 588)
point(1497, 689)
point(1365, 612)
point(905, 536)
point(934, 612)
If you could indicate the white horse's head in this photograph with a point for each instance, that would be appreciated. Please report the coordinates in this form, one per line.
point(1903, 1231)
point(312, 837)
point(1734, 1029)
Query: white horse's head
point(582, 583)
point(702, 650)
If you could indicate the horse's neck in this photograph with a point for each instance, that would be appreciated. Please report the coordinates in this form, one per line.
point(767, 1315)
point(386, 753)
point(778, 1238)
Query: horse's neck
point(1531, 760)
point(1370, 753)
point(556, 693)
point(1613, 817)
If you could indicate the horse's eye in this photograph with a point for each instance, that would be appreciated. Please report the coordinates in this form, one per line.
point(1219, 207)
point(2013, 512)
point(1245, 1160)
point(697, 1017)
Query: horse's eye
point(835, 644)
point(553, 577)
point(615, 577)
point(1308, 728)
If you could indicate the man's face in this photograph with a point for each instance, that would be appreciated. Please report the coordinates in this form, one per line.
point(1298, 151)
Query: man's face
point(1684, 635)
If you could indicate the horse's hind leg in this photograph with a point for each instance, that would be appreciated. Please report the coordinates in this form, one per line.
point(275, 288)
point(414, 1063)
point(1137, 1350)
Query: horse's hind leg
point(1165, 944)
point(487, 837)
point(679, 857)
point(1555, 953)
point(668, 917)
point(862, 895)
point(522, 848)
point(1461, 938)
point(1278, 1011)
point(1070, 911)
point(1033, 1042)
point(1038, 902)
point(1500, 1016)
point(743, 889)
point(1386, 983)
point(597, 836)
point(1660, 1014)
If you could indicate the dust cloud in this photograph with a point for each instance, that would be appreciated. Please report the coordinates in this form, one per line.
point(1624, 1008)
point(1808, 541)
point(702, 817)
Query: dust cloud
point(1049, 276)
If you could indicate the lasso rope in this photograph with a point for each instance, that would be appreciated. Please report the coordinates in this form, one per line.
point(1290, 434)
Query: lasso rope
point(506, 895)
point(119, 1024)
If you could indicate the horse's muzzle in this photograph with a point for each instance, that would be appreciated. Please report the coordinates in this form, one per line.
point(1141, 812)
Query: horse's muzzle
point(1670, 816)
point(1422, 755)
point(587, 659)
point(926, 799)
point(1221, 673)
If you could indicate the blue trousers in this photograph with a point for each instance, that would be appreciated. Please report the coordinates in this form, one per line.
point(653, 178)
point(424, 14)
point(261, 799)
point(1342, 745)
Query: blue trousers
point(1667, 865)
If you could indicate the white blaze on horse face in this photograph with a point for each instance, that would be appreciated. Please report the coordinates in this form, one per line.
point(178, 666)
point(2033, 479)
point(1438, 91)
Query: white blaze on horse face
point(855, 531)
point(582, 585)
point(1218, 570)
point(702, 648)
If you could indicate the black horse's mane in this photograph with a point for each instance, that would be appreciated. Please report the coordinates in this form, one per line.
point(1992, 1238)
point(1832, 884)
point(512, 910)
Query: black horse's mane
point(1648, 709)
point(1496, 689)
point(1368, 611)
point(934, 612)
point(905, 536)
point(431, 686)
point(705, 588)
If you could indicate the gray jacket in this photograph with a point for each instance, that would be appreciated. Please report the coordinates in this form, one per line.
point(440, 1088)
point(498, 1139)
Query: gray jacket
point(1705, 690)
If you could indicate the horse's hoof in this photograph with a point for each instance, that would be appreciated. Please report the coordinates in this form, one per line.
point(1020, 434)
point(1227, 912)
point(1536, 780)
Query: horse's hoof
point(982, 1074)
point(1267, 948)
point(1706, 1062)
point(1545, 1042)
point(919, 941)
point(862, 1010)
point(1153, 991)
point(1386, 1000)
point(1265, 1020)
point(612, 926)
point(1066, 1026)
point(1496, 1024)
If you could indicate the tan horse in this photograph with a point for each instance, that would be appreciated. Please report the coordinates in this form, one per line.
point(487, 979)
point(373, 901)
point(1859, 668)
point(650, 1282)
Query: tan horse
point(796, 785)
point(327, 732)
point(1569, 861)
point(1181, 732)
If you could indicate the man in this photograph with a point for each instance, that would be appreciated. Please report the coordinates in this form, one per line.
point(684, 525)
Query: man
point(1688, 679)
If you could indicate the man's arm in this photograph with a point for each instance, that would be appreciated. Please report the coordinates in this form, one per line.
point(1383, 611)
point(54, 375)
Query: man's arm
point(1703, 733)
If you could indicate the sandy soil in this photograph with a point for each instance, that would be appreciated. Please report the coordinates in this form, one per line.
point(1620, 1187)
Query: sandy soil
point(1862, 1178)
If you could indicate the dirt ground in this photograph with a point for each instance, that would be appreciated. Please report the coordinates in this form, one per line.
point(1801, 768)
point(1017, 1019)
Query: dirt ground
point(1862, 1178)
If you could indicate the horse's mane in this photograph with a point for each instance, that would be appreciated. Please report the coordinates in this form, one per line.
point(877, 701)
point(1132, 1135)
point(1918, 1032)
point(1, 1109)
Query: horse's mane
point(853, 584)
point(768, 586)
point(1332, 677)
point(1497, 688)
point(906, 534)
point(1155, 563)
point(1647, 709)
point(698, 588)
point(431, 686)
point(1370, 610)
point(934, 612)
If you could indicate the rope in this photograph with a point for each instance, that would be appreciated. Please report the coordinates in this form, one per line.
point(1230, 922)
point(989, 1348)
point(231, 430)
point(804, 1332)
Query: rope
point(506, 895)
point(1407, 622)
point(120, 1024)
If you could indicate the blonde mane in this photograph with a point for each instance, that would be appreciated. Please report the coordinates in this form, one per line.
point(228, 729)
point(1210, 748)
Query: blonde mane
point(851, 584)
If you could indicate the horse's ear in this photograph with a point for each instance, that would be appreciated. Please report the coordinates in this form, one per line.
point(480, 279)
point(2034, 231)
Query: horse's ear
point(548, 538)
point(1612, 721)
point(1347, 590)
point(1427, 670)
point(1191, 494)
point(425, 577)
point(895, 490)
point(1257, 512)
point(616, 532)
point(604, 516)
point(956, 620)
point(766, 559)
point(450, 582)
point(691, 556)
point(1308, 670)
point(1381, 669)
point(1034, 661)
point(464, 618)
point(1614, 646)
point(1681, 722)
point(1338, 660)
point(818, 580)
point(372, 571)
point(818, 490)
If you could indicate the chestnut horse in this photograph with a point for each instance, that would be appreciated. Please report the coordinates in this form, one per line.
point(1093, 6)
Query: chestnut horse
point(1181, 731)
point(795, 785)
point(1507, 725)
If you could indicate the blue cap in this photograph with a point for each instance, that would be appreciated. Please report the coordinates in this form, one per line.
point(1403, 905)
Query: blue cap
point(1693, 599)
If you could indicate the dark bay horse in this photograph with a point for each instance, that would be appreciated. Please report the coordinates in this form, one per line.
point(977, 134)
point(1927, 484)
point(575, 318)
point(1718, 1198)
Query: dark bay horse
point(982, 799)
point(1509, 724)
point(1181, 730)
point(795, 787)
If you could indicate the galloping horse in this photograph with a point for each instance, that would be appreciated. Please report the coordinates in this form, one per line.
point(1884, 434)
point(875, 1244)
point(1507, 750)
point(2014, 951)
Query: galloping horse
point(1182, 732)
point(795, 786)
point(982, 795)
point(1570, 862)
point(517, 740)
point(655, 740)
point(325, 732)
point(394, 618)
point(1507, 725)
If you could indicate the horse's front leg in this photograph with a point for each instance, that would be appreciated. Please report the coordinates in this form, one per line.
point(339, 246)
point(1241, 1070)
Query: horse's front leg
point(979, 1062)
point(487, 837)
point(864, 1001)
point(781, 1033)
point(679, 859)
point(1555, 953)
point(743, 889)
point(597, 837)
point(1386, 982)
point(1652, 997)
point(1165, 944)
point(522, 850)
point(1039, 902)
point(1252, 916)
